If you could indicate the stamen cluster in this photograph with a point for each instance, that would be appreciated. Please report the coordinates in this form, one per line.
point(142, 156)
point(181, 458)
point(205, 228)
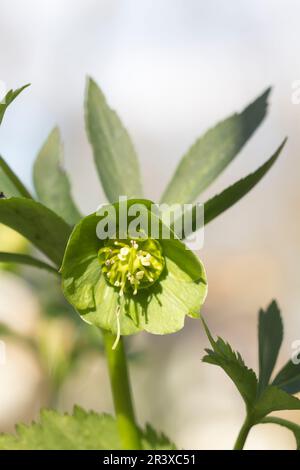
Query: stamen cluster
point(131, 264)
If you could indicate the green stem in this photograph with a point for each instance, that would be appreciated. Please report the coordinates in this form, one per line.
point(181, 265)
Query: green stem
point(119, 380)
point(293, 427)
point(243, 434)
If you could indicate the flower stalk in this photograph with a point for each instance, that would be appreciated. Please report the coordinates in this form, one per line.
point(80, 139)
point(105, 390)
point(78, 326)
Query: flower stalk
point(120, 386)
point(243, 434)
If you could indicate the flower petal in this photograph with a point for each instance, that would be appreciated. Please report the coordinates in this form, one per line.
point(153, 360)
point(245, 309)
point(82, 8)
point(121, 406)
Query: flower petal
point(160, 309)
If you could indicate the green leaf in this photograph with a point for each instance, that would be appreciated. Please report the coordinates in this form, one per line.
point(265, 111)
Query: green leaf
point(270, 335)
point(26, 260)
point(51, 181)
point(114, 154)
point(8, 99)
point(233, 365)
point(273, 399)
point(211, 154)
point(152, 440)
point(295, 428)
point(288, 378)
point(159, 309)
point(223, 201)
point(10, 185)
point(80, 431)
point(234, 193)
point(48, 232)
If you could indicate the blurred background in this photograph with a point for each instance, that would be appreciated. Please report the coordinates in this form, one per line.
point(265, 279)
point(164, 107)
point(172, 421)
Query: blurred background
point(172, 69)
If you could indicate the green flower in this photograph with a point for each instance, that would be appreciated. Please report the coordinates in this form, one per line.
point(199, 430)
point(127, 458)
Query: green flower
point(131, 264)
point(126, 284)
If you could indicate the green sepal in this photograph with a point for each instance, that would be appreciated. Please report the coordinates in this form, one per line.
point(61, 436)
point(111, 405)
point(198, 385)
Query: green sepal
point(161, 309)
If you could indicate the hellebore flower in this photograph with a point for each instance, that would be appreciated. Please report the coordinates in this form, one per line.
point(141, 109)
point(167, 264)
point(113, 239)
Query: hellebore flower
point(126, 284)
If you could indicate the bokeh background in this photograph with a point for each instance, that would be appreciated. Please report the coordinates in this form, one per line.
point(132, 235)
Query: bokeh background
point(172, 69)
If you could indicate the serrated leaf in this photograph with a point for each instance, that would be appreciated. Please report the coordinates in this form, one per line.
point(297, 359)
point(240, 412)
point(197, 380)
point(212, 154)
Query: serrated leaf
point(51, 181)
point(153, 440)
point(8, 99)
point(273, 399)
point(10, 185)
point(270, 335)
point(211, 154)
point(233, 365)
point(48, 232)
point(288, 378)
point(80, 431)
point(115, 158)
point(258, 406)
point(270, 398)
point(234, 193)
point(27, 260)
point(295, 428)
point(227, 198)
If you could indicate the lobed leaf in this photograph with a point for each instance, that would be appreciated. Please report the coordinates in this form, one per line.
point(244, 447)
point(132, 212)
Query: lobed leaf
point(273, 399)
point(234, 193)
point(211, 154)
point(51, 181)
point(227, 198)
point(288, 378)
point(48, 232)
point(115, 158)
point(80, 431)
point(233, 365)
point(270, 336)
point(26, 260)
point(8, 99)
point(153, 440)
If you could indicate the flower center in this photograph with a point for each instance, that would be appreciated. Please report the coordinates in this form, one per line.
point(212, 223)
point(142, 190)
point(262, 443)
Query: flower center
point(131, 264)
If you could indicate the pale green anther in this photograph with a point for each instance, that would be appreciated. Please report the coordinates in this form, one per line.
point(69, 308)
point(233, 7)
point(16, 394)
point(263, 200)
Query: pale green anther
point(131, 264)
